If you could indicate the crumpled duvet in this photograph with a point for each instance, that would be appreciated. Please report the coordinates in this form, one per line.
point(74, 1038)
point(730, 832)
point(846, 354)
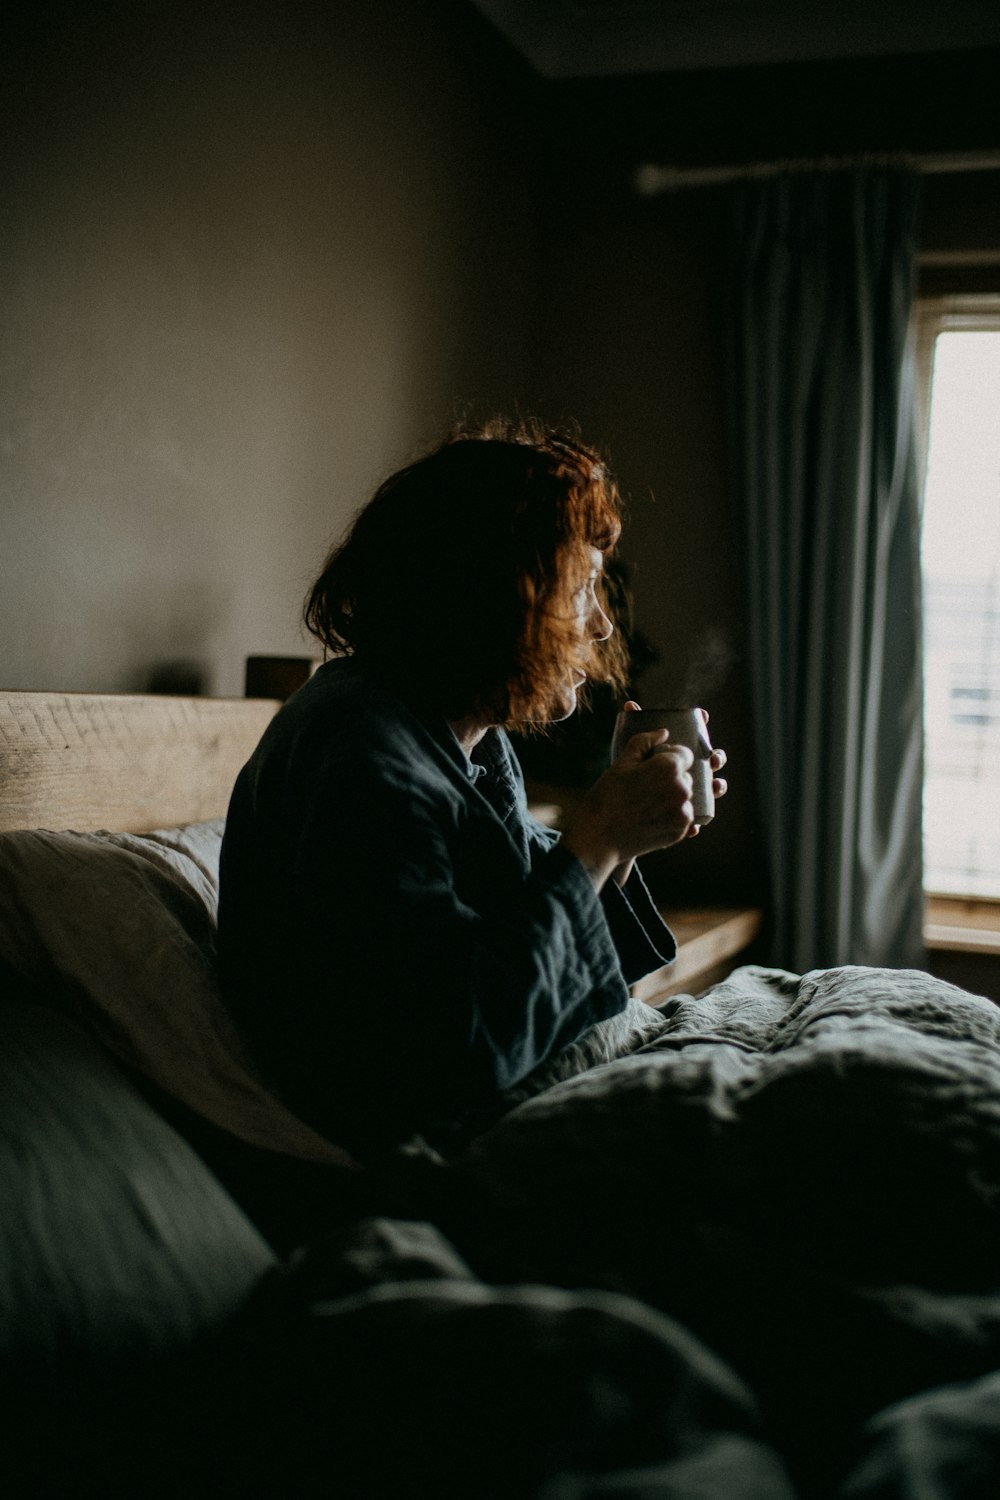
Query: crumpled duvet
point(747, 1248)
point(805, 1173)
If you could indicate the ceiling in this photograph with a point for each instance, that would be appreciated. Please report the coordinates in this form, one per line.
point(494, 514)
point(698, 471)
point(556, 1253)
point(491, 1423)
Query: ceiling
point(607, 38)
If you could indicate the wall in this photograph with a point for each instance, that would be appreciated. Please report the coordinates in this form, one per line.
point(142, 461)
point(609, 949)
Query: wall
point(635, 355)
point(252, 254)
point(635, 308)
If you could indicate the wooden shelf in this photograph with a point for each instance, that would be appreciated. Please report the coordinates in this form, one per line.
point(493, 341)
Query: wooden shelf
point(710, 940)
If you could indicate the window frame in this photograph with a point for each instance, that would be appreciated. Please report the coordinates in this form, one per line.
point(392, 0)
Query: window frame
point(967, 924)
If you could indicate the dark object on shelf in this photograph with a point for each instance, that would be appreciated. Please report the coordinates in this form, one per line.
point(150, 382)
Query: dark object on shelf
point(277, 676)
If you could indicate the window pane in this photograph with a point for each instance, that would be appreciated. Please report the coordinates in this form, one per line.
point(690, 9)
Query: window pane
point(961, 561)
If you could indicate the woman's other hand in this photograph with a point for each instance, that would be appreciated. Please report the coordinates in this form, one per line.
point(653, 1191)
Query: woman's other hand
point(717, 759)
point(642, 803)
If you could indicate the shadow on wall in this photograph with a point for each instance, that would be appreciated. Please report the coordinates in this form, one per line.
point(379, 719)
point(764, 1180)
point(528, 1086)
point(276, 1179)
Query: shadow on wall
point(265, 676)
point(171, 638)
point(181, 678)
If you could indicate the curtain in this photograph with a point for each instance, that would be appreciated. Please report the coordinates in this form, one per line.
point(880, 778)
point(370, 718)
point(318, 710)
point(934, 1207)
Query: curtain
point(825, 472)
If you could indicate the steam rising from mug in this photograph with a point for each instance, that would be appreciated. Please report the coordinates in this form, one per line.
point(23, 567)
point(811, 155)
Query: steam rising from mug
point(694, 674)
point(687, 727)
point(708, 668)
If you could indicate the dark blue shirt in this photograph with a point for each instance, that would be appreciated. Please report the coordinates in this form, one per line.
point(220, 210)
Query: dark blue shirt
point(399, 940)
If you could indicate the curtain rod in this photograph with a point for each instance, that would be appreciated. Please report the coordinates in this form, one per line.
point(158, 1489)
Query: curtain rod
point(650, 180)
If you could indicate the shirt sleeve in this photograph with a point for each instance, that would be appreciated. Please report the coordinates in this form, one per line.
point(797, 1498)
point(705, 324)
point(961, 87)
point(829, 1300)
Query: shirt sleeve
point(426, 965)
point(642, 939)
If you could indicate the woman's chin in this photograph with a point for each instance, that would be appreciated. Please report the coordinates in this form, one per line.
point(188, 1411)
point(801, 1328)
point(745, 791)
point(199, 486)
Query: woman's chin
point(565, 705)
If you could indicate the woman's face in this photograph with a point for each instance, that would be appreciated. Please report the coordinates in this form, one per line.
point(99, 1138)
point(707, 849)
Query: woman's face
point(590, 624)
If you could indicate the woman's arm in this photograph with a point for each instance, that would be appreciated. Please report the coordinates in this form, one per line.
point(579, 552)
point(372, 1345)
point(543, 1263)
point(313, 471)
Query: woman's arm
point(391, 956)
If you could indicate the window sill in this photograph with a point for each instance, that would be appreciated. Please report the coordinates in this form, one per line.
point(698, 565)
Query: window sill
point(710, 943)
point(962, 924)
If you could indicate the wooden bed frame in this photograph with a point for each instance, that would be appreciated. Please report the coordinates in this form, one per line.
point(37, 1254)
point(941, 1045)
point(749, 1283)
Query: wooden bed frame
point(122, 761)
point(133, 762)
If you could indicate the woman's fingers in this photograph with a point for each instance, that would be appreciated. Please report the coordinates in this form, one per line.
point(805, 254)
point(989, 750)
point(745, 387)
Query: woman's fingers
point(654, 741)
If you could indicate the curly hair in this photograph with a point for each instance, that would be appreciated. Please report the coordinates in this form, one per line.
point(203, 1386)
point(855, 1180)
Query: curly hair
point(458, 580)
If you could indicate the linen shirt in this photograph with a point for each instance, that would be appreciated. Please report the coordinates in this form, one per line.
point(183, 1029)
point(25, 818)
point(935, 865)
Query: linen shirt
point(399, 940)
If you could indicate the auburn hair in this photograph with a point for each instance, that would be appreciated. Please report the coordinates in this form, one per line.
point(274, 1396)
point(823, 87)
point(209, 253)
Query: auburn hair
point(458, 581)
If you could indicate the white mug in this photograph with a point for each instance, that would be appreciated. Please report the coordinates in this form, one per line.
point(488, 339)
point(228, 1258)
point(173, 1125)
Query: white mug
point(687, 727)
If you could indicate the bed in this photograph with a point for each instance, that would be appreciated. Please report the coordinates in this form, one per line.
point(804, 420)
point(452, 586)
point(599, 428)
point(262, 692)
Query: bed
point(746, 1245)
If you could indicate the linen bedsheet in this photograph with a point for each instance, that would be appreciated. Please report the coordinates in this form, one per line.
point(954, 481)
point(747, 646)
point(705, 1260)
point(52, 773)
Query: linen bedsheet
point(803, 1172)
point(744, 1246)
point(754, 1253)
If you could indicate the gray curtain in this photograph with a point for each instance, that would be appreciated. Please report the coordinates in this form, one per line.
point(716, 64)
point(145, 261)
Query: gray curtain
point(826, 478)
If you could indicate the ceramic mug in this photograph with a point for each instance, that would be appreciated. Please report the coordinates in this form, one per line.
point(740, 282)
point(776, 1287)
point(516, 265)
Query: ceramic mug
point(687, 727)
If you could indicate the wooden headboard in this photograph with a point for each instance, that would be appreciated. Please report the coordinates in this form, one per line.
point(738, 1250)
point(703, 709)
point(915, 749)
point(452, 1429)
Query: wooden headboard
point(128, 762)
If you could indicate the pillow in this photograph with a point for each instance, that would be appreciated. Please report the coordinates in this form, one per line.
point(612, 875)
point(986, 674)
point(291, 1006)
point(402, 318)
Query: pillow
point(120, 1251)
point(115, 1239)
point(123, 925)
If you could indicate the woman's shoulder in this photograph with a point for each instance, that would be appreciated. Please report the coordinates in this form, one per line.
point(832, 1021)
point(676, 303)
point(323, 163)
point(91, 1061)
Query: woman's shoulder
point(342, 692)
point(344, 716)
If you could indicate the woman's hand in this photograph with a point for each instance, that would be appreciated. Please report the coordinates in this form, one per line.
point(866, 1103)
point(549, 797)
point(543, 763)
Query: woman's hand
point(642, 803)
point(716, 760)
point(621, 874)
point(720, 787)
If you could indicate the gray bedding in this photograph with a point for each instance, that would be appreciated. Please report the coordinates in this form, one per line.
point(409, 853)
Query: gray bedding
point(804, 1173)
point(753, 1255)
point(748, 1246)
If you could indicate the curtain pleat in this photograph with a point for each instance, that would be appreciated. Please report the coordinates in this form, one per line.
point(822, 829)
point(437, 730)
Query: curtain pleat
point(824, 465)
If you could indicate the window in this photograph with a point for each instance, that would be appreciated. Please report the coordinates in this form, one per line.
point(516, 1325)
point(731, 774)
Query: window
point(960, 361)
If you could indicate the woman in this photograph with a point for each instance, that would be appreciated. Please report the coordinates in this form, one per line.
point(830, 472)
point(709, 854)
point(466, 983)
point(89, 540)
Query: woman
point(399, 941)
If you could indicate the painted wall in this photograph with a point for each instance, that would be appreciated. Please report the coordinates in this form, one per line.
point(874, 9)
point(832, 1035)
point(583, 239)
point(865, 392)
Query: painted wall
point(634, 293)
point(252, 255)
point(635, 355)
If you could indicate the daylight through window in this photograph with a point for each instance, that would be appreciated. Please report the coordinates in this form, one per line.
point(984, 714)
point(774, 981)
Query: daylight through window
point(961, 564)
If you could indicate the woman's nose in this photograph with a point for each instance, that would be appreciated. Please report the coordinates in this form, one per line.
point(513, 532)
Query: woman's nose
point(600, 625)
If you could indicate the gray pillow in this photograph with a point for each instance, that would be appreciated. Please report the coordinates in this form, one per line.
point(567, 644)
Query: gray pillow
point(123, 925)
point(120, 1253)
point(115, 1239)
